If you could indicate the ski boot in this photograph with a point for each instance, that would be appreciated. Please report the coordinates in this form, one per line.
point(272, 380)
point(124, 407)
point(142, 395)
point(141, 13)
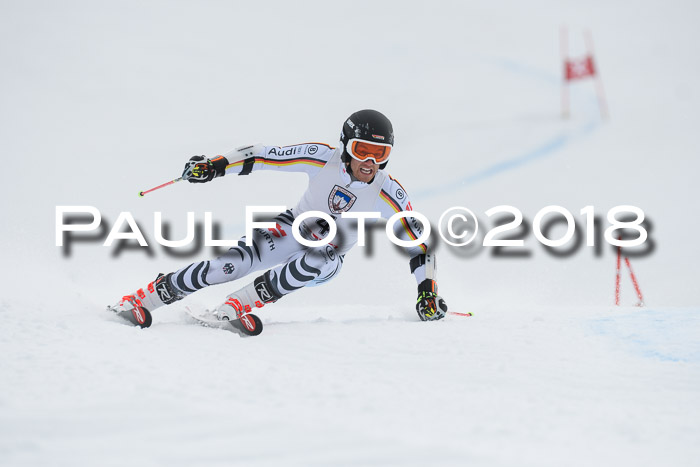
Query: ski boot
point(254, 295)
point(238, 307)
point(136, 308)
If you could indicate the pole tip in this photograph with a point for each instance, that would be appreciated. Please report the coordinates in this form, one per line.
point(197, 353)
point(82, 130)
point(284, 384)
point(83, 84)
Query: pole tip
point(141, 194)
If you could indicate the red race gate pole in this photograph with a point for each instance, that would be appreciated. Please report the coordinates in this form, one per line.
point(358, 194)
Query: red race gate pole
point(564, 46)
point(634, 281)
point(617, 277)
point(602, 102)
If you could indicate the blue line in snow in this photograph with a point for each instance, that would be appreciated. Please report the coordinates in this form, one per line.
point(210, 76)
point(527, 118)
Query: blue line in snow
point(544, 150)
point(668, 335)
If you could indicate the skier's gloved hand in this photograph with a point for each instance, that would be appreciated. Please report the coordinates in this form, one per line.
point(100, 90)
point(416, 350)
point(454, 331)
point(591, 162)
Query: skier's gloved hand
point(200, 169)
point(430, 305)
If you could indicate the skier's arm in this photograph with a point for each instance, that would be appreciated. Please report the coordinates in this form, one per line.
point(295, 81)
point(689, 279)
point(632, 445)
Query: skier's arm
point(430, 306)
point(308, 158)
point(393, 199)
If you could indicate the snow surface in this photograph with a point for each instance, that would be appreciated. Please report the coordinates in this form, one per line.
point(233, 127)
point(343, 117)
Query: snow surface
point(100, 100)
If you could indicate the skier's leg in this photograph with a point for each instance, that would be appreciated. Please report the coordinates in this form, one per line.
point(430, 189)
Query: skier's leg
point(308, 268)
point(269, 247)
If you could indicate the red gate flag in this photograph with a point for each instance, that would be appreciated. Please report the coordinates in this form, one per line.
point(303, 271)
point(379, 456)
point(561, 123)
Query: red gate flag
point(577, 69)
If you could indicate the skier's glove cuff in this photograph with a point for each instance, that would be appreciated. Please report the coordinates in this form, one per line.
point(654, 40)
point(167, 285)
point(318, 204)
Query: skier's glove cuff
point(430, 306)
point(200, 169)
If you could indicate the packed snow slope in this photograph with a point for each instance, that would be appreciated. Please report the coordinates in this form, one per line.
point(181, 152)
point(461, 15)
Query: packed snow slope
point(99, 101)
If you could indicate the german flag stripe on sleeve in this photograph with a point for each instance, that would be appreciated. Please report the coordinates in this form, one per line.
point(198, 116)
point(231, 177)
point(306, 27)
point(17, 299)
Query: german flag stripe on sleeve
point(397, 208)
point(397, 182)
point(281, 163)
point(390, 201)
point(304, 144)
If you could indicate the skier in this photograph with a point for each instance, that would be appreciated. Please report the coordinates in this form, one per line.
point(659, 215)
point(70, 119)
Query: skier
point(349, 178)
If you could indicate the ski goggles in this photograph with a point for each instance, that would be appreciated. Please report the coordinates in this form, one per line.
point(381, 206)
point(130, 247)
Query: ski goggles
point(362, 150)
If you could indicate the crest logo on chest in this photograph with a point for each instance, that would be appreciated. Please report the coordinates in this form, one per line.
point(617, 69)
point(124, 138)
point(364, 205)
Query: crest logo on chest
point(340, 200)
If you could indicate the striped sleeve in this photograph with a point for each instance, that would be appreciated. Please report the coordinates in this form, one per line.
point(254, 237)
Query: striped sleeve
point(307, 157)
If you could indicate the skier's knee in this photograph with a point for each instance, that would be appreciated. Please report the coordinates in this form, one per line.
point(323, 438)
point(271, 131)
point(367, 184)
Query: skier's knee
point(234, 264)
point(321, 259)
point(326, 261)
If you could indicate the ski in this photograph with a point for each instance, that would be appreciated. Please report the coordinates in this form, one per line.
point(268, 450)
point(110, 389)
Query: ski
point(246, 325)
point(140, 317)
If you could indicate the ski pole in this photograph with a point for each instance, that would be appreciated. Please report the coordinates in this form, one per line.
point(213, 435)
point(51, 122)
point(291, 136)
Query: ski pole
point(143, 193)
point(459, 314)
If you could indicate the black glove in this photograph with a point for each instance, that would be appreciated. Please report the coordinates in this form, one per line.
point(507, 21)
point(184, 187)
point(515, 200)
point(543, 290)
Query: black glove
point(200, 169)
point(430, 305)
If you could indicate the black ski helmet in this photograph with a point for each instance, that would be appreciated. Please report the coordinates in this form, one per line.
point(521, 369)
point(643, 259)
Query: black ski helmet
point(368, 125)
